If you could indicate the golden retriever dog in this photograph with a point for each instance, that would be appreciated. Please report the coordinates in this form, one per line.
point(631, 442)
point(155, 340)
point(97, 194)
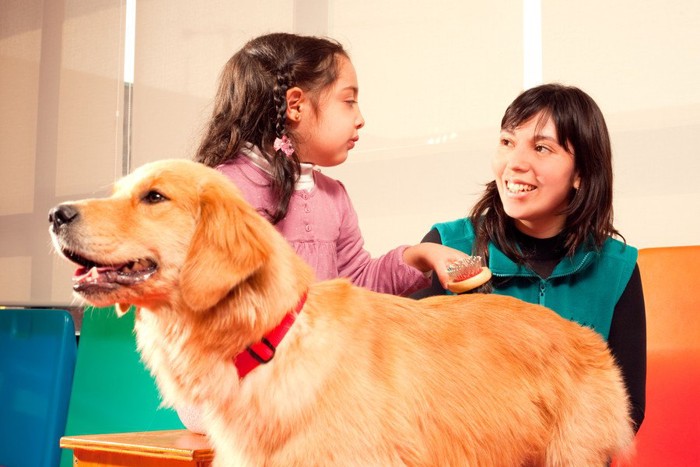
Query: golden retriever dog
point(356, 378)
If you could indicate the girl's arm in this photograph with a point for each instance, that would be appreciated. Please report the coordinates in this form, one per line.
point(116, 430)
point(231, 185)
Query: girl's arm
point(400, 271)
point(628, 343)
point(388, 273)
point(435, 287)
point(433, 257)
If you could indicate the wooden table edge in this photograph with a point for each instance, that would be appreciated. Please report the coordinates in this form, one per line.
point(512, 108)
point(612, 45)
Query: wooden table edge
point(97, 443)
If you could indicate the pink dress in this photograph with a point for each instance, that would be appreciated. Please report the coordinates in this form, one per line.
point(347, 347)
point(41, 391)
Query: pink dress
point(322, 226)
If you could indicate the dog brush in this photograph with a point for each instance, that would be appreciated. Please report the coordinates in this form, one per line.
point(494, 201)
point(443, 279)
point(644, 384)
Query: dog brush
point(467, 274)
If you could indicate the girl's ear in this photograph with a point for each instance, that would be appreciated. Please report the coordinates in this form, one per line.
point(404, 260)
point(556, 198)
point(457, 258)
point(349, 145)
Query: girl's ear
point(295, 99)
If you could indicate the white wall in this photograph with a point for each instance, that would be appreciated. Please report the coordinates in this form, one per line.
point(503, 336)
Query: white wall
point(434, 79)
point(639, 60)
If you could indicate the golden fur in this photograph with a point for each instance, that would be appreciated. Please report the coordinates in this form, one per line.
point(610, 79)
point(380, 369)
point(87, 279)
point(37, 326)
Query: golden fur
point(361, 378)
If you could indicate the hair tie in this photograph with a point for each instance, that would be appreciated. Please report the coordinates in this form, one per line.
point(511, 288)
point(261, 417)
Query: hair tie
point(285, 145)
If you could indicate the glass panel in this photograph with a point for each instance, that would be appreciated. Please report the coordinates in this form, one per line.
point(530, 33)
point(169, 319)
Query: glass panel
point(60, 131)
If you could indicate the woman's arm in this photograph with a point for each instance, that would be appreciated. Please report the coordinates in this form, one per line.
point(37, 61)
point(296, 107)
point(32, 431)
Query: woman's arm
point(628, 343)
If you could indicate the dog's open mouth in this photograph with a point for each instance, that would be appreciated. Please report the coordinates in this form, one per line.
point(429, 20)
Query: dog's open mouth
point(94, 277)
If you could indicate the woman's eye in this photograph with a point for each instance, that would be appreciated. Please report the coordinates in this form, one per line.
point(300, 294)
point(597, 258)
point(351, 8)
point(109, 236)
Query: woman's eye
point(153, 197)
point(542, 149)
point(506, 142)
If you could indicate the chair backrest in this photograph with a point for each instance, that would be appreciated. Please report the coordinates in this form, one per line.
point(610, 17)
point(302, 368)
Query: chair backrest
point(112, 390)
point(37, 359)
point(671, 282)
point(670, 434)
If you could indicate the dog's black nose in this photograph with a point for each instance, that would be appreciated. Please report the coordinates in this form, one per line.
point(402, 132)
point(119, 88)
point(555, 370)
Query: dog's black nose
point(62, 214)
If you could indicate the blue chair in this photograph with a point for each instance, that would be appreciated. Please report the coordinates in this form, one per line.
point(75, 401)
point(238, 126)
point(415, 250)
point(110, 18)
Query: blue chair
point(112, 390)
point(37, 359)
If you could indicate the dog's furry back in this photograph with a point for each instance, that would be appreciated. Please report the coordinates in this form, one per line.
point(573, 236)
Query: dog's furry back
point(436, 382)
point(362, 378)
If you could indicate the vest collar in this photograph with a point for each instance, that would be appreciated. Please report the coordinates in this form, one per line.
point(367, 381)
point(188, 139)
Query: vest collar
point(501, 265)
point(263, 351)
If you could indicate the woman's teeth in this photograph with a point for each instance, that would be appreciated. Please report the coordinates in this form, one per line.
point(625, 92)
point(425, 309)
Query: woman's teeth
point(518, 187)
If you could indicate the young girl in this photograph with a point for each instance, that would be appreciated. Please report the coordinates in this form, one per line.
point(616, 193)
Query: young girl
point(285, 105)
point(545, 225)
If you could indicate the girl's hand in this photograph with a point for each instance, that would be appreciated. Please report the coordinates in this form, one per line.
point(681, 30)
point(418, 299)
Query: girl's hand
point(433, 257)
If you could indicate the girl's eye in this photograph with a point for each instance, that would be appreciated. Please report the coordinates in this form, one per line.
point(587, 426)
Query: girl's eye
point(542, 149)
point(154, 197)
point(506, 142)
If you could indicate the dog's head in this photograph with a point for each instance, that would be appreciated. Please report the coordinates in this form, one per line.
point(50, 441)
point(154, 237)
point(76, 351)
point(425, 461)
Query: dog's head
point(170, 228)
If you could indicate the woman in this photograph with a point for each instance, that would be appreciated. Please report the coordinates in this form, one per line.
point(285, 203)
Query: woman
point(544, 226)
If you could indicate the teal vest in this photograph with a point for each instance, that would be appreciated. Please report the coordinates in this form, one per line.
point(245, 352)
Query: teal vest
point(584, 288)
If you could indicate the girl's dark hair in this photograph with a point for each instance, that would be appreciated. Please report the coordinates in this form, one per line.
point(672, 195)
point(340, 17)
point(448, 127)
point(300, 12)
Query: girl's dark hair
point(250, 104)
point(580, 126)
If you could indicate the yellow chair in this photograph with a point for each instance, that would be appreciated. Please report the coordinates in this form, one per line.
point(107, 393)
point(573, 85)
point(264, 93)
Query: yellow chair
point(670, 434)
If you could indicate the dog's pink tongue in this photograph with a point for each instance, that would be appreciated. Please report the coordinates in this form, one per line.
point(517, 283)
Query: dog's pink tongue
point(91, 276)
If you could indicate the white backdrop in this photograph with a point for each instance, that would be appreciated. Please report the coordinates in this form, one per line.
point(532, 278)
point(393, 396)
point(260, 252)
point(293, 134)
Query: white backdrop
point(434, 80)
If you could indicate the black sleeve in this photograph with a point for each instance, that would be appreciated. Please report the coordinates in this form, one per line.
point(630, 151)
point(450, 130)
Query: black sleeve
point(435, 287)
point(628, 343)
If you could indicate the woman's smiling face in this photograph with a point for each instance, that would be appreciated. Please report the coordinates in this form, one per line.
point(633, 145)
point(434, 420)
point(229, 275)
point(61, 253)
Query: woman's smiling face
point(535, 175)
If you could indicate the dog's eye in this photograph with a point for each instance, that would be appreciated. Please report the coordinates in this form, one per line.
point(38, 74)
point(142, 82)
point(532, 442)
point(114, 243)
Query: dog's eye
point(153, 197)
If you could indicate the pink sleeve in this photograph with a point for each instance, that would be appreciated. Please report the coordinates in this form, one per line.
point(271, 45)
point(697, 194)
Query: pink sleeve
point(387, 273)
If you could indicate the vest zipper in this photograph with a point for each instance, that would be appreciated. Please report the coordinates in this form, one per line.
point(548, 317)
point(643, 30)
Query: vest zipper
point(576, 268)
point(543, 286)
point(543, 282)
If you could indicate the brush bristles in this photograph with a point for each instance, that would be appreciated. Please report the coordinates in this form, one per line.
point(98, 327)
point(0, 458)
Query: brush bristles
point(464, 268)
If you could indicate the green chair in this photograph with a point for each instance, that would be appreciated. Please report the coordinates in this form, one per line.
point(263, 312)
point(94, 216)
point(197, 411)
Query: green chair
point(37, 358)
point(112, 390)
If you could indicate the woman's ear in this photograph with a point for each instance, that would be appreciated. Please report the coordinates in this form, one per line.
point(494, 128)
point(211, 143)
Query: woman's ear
point(577, 181)
point(295, 98)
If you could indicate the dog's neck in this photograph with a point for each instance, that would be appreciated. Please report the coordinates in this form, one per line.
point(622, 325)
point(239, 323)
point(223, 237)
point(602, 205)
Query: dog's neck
point(263, 351)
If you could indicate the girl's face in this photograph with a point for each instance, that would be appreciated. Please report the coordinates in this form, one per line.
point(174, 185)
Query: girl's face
point(326, 134)
point(535, 175)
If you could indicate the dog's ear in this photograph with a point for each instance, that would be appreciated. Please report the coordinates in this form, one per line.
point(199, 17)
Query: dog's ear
point(225, 249)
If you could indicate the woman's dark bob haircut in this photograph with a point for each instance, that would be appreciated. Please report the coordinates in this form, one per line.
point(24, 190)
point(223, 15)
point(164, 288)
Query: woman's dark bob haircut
point(581, 128)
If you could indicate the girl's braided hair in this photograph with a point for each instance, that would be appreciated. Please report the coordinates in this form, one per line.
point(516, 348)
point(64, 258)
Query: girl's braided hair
point(250, 106)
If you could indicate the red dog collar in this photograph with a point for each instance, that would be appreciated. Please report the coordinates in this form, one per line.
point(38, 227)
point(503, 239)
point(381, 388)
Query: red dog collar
point(263, 351)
